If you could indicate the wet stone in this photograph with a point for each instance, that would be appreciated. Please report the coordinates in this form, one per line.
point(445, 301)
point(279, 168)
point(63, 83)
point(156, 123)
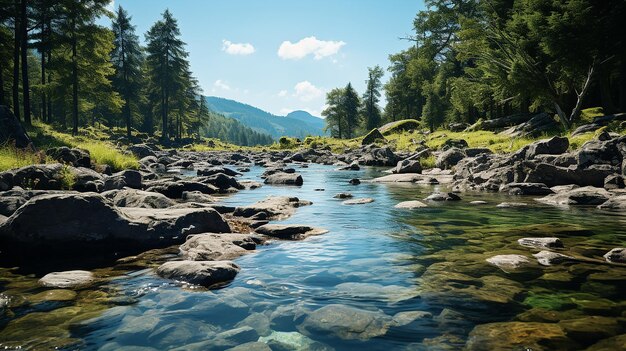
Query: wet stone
point(345, 322)
point(541, 242)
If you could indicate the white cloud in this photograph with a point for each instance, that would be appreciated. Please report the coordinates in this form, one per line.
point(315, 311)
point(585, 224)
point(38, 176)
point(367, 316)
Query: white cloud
point(220, 84)
point(111, 6)
point(309, 46)
point(237, 48)
point(282, 93)
point(305, 91)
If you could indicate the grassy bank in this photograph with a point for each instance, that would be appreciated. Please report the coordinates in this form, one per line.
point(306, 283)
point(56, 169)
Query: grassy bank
point(44, 137)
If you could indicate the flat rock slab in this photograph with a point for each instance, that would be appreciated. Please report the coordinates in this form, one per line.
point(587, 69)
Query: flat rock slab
point(276, 207)
point(283, 178)
point(541, 242)
point(218, 247)
point(289, 231)
point(67, 279)
point(362, 201)
point(411, 205)
point(205, 273)
point(587, 195)
point(345, 322)
point(512, 205)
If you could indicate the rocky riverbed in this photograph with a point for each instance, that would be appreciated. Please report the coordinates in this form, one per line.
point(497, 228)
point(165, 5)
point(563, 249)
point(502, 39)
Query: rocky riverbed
point(313, 250)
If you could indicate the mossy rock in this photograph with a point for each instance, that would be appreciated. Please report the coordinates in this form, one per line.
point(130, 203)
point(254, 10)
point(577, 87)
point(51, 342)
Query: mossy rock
point(399, 126)
point(373, 136)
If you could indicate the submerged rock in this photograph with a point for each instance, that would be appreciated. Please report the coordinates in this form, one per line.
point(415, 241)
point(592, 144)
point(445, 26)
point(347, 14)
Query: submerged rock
point(509, 261)
point(67, 279)
point(541, 242)
point(289, 231)
point(205, 273)
point(519, 335)
point(548, 258)
point(345, 322)
point(411, 204)
point(361, 201)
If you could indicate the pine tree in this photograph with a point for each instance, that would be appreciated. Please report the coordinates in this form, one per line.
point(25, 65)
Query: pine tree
point(127, 60)
point(350, 105)
point(371, 111)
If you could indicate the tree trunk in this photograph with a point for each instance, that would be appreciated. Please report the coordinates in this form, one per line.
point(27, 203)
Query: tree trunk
point(24, 44)
point(622, 84)
point(49, 97)
point(605, 91)
point(44, 104)
point(2, 102)
point(74, 78)
point(16, 63)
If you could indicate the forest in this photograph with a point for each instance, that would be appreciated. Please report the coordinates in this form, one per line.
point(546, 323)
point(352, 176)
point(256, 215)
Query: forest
point(472, 60)
point(59, 66)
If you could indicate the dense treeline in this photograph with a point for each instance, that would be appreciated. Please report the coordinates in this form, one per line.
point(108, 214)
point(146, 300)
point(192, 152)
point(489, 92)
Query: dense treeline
point(491, 58)
point(59, 66)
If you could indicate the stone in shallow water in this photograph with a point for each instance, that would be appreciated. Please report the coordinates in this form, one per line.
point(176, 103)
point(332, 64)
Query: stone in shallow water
point(617, 254)
point(345, 322)
point(541, 242)
point(591, 328)
point(251, 346)
point(408, 317)
point(207, 247)
point(205, 273)
point(289, 231)
point(392, 293)
point(53, 295)
point(548, 258)
point(343, 196)
point(478, 202)
point(506, 262)
point(411, 204)
point(511, 204)
point(443, 197)
point(610, 344)
point(290, 341)
point(362, 201)
point(519, 336)
point(67, 279)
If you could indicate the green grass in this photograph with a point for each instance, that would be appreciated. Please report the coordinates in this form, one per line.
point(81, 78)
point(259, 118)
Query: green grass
point(10, 158)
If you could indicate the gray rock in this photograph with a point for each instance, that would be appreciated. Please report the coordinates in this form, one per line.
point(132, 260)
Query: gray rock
point(408, 166)
point(289, 231)
point(404, 318)
point(343, 196)
point(141, 150)
point(345, 322)
point(138, 198)
point(617, 254)
point(511, 204)
point(10, 204)
point(67, 279)
point(614, 203)
point(372, 136)
point(443, 197)
point(411, 205)
point(217, 247)
point(74, 157)
point(450, 158)
point(507, 262)
point(526, 189)
point(548, 258)
point(205, 273)
point(549, 243)
point(580, 196)
point(276, 207)
point(284, 179)
point(614, 181)
point(553, 146)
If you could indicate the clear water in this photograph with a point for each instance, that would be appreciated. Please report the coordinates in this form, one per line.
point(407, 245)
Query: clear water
point(375, 258)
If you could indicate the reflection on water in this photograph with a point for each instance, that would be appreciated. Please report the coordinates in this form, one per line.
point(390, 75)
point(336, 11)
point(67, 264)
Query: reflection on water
point(381, 278)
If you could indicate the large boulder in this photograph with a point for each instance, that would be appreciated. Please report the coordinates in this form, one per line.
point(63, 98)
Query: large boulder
point(372, 136)
point(374, 156)
point(552, 175)
point(67, 279)
point(88, 222)
point(141, 150)
point(450, 158)
point(217, 247)
point(11, 131)
point(205, 273)
point(408, 166)
point(587, 195)
point(617, 202)
point(127, 178)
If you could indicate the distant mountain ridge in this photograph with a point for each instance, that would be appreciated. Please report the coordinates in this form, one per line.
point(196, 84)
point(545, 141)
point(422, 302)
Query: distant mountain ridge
point(297, 124)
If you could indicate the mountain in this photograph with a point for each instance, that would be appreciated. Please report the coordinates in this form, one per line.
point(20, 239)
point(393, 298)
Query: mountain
point(233, 131)
point(297, 124)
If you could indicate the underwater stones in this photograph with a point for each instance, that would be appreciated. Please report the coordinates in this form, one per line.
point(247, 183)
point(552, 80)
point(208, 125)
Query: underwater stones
point(512, 205)
point(518, 335)
point(506, 262)
point(361, 201)
point(591, 328)
point(67, 279)
point(251, 346)
point(478, 202)
point(258, 321)
point(289, 231)
point(343, 196)
point(541, 242)
point(210, 246)
point(408, 317)
point(290, 341)
point(345, 322)
point(54, 295)
point(411, 205)
point(205, 273)
point(617, 255)
point(391, 293)
point(548, 258)
point(443, 197)
point(538, 314)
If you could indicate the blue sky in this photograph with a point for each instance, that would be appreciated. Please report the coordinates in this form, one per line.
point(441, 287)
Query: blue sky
point(282, 55)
